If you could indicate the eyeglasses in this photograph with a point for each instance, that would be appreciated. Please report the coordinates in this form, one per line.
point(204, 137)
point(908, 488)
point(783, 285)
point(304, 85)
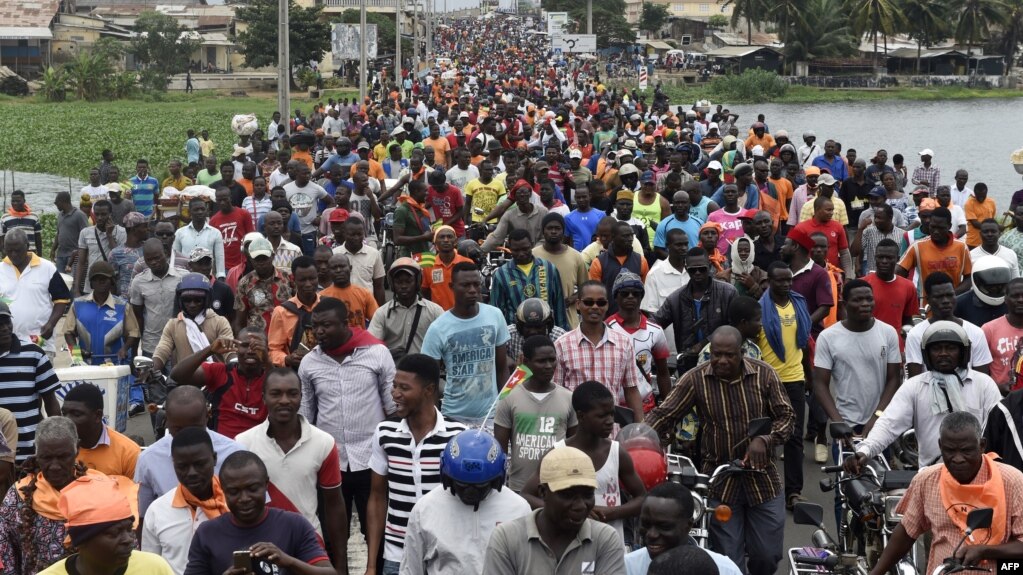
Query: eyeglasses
point(594, 302)
point(698, 270)
point(164, 234)
point(630, 293)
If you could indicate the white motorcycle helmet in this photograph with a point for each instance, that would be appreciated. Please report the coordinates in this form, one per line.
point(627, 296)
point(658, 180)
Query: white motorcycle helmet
point(946, 331)
point(990, 277)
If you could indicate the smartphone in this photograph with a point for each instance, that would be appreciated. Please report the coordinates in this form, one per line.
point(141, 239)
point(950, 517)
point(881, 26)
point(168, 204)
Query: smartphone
point(242, 560)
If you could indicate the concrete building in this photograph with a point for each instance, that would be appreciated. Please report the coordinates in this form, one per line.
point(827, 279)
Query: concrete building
point(25, 35)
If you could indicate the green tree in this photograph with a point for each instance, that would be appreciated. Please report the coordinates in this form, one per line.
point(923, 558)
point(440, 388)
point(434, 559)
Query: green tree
point(753, 11)
point(161, 45)
point(717, 21)
point(654, 17)
point(1012, 33)
point(874, 17)
point(925, 21)
point(806, 42)
point(609, 24)
point(385, 30)
point(974, 19)
point(784, 13)
point(308, 37)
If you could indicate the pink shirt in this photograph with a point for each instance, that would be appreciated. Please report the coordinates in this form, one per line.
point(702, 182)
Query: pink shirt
point(446, 204)
point(1002, 340)
point(731, 228)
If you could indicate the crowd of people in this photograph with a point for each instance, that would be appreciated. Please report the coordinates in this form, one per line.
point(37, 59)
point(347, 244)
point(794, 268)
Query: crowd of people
point(663, 265)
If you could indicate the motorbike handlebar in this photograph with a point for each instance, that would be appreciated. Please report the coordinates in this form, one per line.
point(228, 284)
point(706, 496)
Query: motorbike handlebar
point(832, 469)
point(828, 562)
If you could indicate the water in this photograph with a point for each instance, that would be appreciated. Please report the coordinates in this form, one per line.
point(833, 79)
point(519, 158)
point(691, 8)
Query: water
point(40, 189)
point(976, 135)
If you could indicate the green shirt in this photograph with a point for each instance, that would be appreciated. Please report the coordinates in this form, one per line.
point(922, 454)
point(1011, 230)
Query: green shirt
point(405, 219)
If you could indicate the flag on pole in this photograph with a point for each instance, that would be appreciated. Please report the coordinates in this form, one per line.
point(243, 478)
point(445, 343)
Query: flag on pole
point(521, 373)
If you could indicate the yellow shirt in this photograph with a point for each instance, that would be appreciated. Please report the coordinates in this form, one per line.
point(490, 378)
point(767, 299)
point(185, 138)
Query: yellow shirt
point(791, 369)
point(526, 268)
point(840, 215)
point(140, 563)
point(380, 153)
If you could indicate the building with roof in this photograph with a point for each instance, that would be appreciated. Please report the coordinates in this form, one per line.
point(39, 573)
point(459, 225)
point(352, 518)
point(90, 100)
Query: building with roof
point(735, 59)
point(947, 61)
point(25, 34)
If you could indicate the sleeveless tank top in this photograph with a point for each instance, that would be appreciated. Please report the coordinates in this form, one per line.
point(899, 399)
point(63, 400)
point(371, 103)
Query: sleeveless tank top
point(608, 492)
point(649, 214)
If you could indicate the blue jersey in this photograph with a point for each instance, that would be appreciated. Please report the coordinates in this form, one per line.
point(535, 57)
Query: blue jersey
point(143, 193)
point(100, 328)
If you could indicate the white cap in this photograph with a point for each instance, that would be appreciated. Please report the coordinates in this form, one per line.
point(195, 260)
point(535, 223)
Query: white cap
point(398, 130)
point(927, 152)
point(712, 126)
point(575, 153)
point(714, 165)
point(758, 151)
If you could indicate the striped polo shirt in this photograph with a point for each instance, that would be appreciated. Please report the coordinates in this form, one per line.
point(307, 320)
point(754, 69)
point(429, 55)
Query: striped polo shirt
point(25, 376)
point(144, 193)
point(411, 470)
point(28, 222)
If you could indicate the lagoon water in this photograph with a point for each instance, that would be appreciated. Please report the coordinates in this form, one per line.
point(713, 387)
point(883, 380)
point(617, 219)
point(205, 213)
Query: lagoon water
point(978, 135)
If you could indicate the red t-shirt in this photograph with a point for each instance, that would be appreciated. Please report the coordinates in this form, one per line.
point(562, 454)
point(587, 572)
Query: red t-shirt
point(233, 227)
point(236, 408)
point(446, 204)
point(835, 233)
point(893, 301)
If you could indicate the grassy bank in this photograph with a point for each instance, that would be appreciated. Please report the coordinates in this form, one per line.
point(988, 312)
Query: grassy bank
point(809, 95)
point(66, 138)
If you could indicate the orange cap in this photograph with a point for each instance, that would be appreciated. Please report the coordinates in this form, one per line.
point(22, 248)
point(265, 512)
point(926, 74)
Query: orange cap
point(93, 499)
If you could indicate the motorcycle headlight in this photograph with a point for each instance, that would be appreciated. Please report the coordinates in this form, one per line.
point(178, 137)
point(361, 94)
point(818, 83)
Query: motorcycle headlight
point(698, 509)
point(890, 504)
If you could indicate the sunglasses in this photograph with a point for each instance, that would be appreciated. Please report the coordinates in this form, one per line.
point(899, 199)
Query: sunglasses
point(698, 270)
point(630, 293)
point(594, 302)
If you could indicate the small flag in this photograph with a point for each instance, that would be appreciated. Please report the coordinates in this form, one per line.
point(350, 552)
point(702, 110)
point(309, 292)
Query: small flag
point(521, 373)
point(425, 259)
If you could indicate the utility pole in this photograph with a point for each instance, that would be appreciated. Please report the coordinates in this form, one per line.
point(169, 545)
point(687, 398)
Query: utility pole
point(362, 51)
point(397, 43)
point(429, 30)
point(283, 65)
point(415, 36)
point(589, 16)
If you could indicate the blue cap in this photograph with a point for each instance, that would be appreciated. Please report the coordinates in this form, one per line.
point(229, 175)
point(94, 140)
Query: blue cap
point(648, 177)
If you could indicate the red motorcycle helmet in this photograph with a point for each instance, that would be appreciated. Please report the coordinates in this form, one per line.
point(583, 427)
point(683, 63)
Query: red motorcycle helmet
point(643, 446)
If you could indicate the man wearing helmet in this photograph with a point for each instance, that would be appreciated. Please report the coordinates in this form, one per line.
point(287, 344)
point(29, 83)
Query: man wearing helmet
point(986, 299)
point(450, 527)
point(194, 326)
point(923, 401)
point(938, 288)
point(532, 317)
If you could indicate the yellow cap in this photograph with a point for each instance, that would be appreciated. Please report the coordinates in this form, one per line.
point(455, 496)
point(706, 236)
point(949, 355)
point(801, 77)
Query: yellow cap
point(566, 467)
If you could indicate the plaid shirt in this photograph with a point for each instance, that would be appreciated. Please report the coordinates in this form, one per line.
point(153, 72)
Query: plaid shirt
point(611, 361)
point(256, 299)
point(923, 510)
point(931, 176)
point(725, 410)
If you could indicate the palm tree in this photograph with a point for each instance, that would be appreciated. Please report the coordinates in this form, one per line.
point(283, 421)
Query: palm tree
point(925, 21)
point(975, 17)
point(1012, 33)
point(806, 41)
point(875, 16)
point(750, 10)
point(786, 13)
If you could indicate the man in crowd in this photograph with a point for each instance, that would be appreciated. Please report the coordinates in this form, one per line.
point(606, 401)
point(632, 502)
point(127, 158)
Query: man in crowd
point(680, 219)
point(406, 457)
point(471, 339)
point(152, 294)
point(302, 462)
point(96, 242)
point(1003, 335)
point(100, 324)
point(941, 297)
point(199, 233)
point(940, 252)
point(525, 276)
point(402, 323)
point(233, 224)
point(755, 538)
point(900, 303)
point(263, 289)
point(70, 223)
point(367, 265)
point(36, 290)
point(620, 255)
point(291, 334)
point(100, 447)
point(347, 382)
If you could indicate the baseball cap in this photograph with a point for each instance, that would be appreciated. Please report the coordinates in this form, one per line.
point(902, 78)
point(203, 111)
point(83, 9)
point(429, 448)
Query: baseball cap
point(338, 215)
point(566, 467)
point(261, 247)
point(398, 130)
point(628, 169)
point(533, 311)
point(811, 171)
point(728, 140)
point(5, 309)
point(575, 153)
point(878, 191)
point(363, 145)
point(826, 180)
point(199, 253)
point(714, 165)
point(101, 268)
point(927, 152)
point(630, 144)
point(648, 177)
point(747, 214)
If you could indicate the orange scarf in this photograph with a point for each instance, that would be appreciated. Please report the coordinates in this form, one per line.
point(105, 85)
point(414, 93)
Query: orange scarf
point(717, 259)
point(213, 507)
point(414, 205)
point(959, 500)
point(17, 214)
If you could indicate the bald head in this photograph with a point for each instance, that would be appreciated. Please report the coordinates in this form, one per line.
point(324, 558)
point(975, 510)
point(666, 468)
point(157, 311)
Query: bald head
point(185, 407)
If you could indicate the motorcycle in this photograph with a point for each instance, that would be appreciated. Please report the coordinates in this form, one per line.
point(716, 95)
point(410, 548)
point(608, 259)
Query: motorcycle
point(824, 555)
point(681, 470)
point(976, 519)
point(155, 387)
point(869, 503)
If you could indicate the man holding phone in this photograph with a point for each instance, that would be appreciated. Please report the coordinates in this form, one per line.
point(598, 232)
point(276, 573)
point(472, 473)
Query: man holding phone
point(252, 538)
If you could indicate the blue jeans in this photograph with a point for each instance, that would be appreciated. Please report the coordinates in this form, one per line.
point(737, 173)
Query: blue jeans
point(61, 263)
point(390, 568)
point(754, 537)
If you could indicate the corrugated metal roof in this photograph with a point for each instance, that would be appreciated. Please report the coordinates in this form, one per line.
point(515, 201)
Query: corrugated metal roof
point(737, 51)
point(25, 33)
point(657, 44)
point(911, 53)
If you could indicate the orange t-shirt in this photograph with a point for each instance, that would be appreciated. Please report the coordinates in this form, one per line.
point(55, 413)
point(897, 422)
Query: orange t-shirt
point(980, 211)
point(359, 301)
point(437, 279)
point(304, 157)
point(376, 170)
point(785, 191)
point(597, 271)
point(441, 147)
point(117, 458)
point(927, 258)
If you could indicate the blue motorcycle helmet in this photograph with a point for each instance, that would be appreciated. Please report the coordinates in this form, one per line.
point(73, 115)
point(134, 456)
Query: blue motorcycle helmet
point(472, 465)
point(193, 285)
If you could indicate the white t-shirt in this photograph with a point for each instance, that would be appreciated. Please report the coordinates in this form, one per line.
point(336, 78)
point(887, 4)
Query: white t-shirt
point(858, 362)
point(306, 216)
point(97, 193)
